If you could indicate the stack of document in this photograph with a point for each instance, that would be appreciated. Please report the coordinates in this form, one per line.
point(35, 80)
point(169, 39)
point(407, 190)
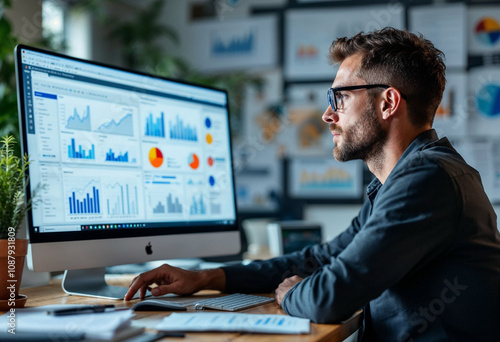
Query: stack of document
point(240, 322)
point(106, 326)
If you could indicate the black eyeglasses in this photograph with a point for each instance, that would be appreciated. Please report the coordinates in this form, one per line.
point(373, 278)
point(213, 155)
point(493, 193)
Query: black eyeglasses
point(335, 98)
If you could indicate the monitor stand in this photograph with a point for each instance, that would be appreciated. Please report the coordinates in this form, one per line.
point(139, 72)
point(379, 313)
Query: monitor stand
point(90, 282)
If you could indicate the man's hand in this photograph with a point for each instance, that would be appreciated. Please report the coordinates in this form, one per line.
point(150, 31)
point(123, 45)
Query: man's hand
point(176, 280)
point(285, 286)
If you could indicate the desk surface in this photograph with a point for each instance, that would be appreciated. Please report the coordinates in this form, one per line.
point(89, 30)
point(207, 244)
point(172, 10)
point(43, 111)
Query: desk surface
point(53, 294)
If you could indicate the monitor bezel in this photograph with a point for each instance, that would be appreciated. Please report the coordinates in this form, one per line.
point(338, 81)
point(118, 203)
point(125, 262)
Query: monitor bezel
point(179, 229)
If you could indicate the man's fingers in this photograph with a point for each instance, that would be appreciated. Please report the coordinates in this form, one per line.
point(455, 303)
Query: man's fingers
point(161, 276)
point(140, 283)
point(161, 290)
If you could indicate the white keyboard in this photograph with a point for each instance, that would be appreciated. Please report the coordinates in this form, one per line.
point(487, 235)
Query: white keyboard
point(232, 302)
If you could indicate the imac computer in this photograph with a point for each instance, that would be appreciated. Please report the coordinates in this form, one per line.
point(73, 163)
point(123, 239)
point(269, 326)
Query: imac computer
point(125, 167)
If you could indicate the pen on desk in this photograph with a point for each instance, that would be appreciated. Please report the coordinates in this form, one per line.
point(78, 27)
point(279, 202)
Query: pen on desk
point(84, 310)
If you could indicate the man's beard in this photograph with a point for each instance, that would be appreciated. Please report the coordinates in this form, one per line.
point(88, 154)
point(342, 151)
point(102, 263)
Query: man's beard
point(363, 140)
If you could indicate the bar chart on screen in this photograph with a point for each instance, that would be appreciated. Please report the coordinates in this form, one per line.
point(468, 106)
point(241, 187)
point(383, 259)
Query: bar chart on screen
point(155, 125)
point(84, 199)
point(165, 196)
point(80, 149)
point(122, 198)
point(178, 130)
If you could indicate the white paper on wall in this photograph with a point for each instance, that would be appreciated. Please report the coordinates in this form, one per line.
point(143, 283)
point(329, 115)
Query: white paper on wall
point(235, 44)
point(446, 27)
point(452, 114)
point(484, 30)
point(307, 133)
point(309, 34)
point(484, 102)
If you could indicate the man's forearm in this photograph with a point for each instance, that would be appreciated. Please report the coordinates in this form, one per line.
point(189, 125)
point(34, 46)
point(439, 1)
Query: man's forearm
point(213, 279)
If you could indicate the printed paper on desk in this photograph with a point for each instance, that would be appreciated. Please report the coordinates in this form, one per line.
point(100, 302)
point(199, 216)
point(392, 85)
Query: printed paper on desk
point(222, 321)
point(94, 325)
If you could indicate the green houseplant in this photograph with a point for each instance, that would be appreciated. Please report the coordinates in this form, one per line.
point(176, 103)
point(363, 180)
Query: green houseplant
point(12, 211)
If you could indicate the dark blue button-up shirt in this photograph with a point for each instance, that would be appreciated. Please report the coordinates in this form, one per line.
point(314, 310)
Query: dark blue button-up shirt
point(422, 258)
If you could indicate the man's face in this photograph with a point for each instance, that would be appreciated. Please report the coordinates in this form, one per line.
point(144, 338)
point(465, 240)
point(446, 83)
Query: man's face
point(357, 131)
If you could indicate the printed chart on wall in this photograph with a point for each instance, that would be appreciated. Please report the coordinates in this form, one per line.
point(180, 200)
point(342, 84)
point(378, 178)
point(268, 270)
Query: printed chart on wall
point(262, 111)
point(445, 27)
point(452, 115)
point(484, 96)
point(308, 133)
point(325, 178)
point(230, 44)
point(484, 30)
point(309, 34)
point(258, 181)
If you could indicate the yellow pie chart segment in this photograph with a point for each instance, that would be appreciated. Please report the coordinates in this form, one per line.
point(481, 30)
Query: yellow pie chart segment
point(155, 157)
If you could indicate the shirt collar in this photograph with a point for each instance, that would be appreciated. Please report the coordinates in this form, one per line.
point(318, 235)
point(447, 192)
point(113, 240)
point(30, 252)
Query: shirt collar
point(418, 144)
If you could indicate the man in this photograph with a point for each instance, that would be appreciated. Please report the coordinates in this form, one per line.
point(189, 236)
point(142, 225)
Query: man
point(422, 258)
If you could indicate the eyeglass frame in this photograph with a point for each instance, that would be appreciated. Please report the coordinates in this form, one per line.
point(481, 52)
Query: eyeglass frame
point(332, 99)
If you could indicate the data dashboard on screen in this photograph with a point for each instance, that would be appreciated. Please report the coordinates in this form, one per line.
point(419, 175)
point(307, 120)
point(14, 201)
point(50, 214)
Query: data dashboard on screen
point(117, 150)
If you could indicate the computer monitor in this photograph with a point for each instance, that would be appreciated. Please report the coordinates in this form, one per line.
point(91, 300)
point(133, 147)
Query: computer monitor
point(125, 167)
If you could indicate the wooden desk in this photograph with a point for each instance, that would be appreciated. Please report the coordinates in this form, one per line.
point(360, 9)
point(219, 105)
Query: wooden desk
point(53, 294)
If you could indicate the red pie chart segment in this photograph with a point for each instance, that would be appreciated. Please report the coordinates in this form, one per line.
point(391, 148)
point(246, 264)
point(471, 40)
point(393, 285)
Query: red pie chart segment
point(155, 157)
point(194, 161)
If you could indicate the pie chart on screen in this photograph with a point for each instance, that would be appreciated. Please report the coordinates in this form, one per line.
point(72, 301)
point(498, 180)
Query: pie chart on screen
point(487, 31)
point(193, 161)
point(155, 157)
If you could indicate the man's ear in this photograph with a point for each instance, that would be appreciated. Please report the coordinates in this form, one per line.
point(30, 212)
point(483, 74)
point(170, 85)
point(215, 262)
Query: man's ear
point(391, 101)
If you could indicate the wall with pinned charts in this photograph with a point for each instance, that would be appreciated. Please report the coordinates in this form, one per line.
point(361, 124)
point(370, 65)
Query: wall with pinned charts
point(285, 119)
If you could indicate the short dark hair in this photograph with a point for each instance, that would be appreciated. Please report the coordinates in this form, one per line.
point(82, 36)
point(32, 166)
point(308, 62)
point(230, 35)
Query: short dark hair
point(401, 59)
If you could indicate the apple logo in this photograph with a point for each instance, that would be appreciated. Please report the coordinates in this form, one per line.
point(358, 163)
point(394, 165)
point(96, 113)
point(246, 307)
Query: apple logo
point(149, 249)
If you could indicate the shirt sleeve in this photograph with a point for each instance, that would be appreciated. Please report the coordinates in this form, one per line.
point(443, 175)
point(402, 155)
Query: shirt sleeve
point(413, 221)
point(265, 275)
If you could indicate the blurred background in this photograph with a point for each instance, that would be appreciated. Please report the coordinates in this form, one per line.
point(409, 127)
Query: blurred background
point(271, 56)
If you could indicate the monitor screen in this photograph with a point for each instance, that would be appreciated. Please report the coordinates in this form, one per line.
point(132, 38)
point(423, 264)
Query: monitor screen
point(124, 167)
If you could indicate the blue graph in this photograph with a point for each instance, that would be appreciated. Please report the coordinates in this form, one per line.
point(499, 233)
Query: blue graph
point(173, 206)
point(123, 127)
point(198, 206)
point(159, 209)
point(80, 153)
point(237, 45)
point(155, 128)
point(78, 122)
point(124, 200)
point(180, 131)
point(88, 205)
point(121, 157)
point(488, 100)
